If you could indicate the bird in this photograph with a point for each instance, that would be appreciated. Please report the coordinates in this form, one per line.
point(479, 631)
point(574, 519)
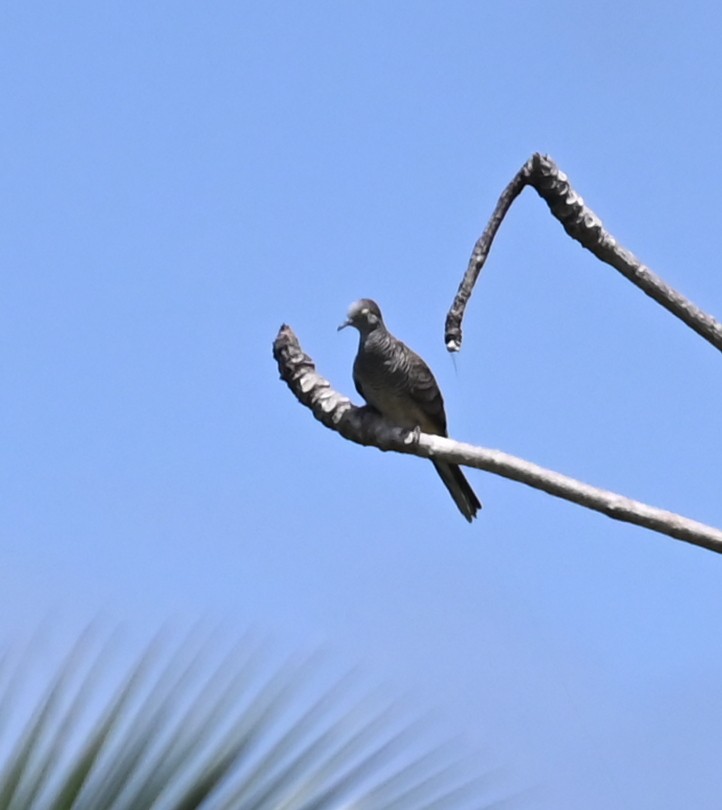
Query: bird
point(397, 383)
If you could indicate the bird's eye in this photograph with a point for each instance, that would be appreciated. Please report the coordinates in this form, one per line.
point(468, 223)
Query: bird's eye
point(365, 311)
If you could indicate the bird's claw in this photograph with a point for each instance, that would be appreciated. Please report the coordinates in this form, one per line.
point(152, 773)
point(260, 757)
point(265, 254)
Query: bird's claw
point(413, 436)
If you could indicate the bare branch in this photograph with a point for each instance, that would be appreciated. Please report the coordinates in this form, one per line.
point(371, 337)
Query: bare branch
point(365, 426)
point(478, 258)
point(583, 225)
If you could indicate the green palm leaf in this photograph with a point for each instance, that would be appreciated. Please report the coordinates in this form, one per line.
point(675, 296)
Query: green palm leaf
point(175, 732)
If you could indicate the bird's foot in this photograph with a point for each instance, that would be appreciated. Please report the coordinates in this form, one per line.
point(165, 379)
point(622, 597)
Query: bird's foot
point(412, 437)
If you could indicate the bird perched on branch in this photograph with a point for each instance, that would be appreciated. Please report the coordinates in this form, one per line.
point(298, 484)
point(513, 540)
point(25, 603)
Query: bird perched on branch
point(398, 384)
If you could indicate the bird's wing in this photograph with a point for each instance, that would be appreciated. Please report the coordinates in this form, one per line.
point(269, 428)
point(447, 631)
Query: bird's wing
point(425, 392)
point(357, 382)
point(359, 387)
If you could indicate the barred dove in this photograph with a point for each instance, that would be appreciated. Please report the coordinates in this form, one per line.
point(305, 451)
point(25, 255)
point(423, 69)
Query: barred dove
point(398, 384)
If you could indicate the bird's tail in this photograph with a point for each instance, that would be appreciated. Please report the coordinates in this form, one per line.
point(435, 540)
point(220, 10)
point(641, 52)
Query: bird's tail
point(460, 489)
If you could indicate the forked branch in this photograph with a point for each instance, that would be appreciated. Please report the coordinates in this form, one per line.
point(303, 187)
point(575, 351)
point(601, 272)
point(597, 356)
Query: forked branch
point(582, 224)
point(365, 426)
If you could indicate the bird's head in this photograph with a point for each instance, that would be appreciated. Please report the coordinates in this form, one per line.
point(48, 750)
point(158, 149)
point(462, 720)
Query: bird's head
point(365, 315)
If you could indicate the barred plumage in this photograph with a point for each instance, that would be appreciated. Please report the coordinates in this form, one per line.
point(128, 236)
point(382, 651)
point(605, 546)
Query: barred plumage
point(395, 381)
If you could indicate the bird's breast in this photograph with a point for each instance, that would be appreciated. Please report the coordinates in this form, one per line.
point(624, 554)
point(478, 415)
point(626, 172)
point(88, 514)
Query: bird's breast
point(384, 382)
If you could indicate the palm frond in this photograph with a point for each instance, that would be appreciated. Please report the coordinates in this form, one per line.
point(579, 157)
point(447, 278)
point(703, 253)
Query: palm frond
point(176, 732)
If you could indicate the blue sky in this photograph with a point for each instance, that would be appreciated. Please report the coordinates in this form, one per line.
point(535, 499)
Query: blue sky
point(179, 179)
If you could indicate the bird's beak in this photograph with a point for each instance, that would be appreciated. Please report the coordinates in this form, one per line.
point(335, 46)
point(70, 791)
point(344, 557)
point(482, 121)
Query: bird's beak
point(343, 325)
